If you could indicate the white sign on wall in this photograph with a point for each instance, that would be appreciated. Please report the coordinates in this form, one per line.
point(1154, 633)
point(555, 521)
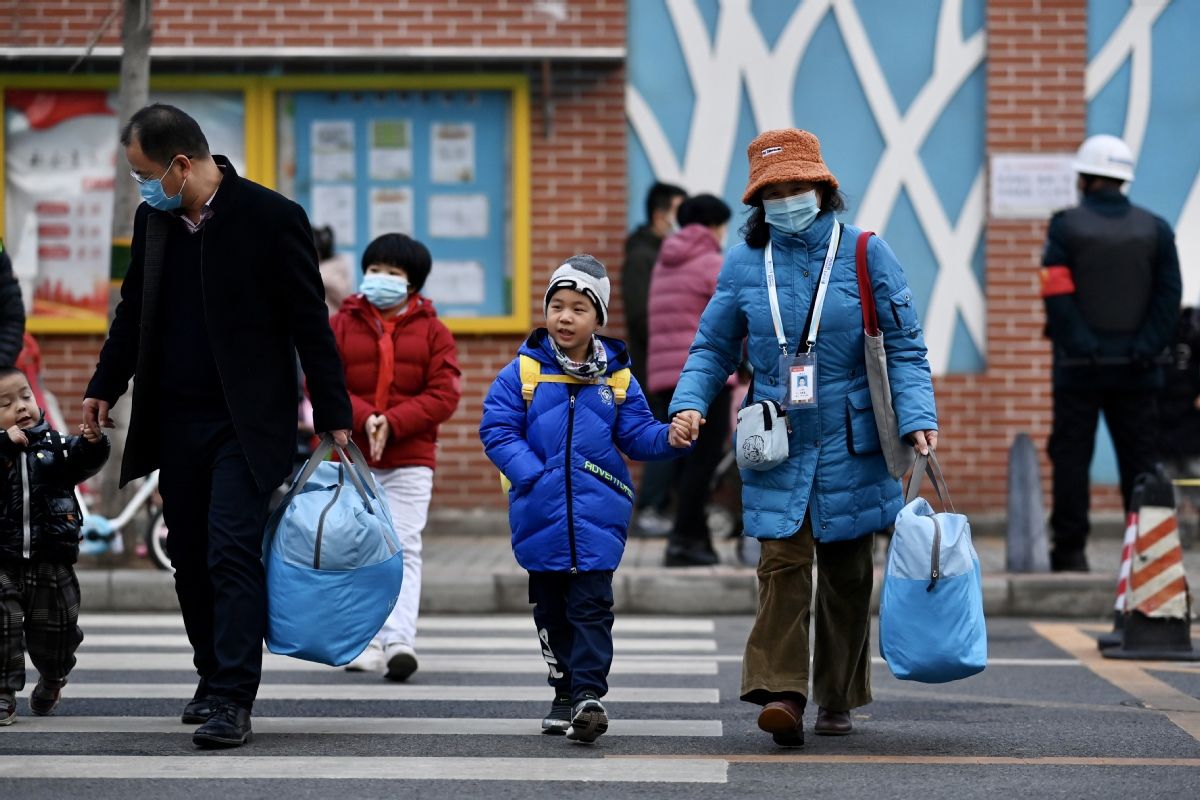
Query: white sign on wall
point(1031, 185)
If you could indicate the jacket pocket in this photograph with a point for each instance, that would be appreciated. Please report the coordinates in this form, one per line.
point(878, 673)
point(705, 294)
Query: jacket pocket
point(903, 311)
point(862, 434)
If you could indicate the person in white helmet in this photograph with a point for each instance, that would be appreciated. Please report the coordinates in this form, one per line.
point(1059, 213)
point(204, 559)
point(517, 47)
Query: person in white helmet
point(1111, 285)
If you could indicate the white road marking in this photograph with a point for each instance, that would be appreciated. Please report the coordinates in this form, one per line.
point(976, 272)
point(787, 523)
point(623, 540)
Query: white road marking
point(456, 726)
point(378, 689)
point(423, 644)
point(310, 768)
point(507, 623)
point(531, 664)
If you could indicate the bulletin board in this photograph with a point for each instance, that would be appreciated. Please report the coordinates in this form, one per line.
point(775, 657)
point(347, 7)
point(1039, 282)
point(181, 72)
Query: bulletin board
point(442, 159)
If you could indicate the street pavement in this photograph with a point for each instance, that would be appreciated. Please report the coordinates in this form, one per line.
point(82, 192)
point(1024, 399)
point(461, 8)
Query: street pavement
point(1048, 718)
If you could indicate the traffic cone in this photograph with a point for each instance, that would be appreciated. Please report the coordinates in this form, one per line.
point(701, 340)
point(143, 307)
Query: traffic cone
point(1157, 618)
point(1113, 639)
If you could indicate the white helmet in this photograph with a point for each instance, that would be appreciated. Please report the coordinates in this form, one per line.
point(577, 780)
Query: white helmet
point(1106, 156)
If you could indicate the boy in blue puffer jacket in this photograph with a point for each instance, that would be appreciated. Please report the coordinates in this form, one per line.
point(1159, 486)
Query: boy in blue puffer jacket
point(570, 501)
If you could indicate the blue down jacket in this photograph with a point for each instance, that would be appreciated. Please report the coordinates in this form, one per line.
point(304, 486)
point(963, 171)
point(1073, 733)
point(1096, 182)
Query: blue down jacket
point(835, 470)
point(571, 495)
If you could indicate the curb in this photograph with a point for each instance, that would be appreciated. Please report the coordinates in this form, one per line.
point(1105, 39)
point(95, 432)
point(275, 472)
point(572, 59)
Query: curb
point(702, 590)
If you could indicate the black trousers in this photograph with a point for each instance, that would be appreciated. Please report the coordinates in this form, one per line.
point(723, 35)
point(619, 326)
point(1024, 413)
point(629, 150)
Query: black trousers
point(215, 513)
point(574, 619)
point(695, 474)
point(39, 612)
point(1132, 419)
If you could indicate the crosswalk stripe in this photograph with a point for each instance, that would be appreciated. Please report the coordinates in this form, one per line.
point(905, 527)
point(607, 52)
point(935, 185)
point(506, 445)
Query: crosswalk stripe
point(457, 768)
point(495, 624)
point(378, 689)
point(457, 726)
point(506, 664)
point(426, 643)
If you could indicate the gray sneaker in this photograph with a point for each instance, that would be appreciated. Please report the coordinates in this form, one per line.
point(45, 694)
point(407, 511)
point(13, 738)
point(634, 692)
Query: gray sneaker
point(589, 720)
point(558, 719)
point(8, 709)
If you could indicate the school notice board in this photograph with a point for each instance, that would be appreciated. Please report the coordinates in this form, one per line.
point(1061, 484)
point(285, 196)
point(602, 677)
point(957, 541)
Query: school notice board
point(433, 164)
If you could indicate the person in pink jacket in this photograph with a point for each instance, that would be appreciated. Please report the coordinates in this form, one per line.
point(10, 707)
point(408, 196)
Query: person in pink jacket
point(682, 282)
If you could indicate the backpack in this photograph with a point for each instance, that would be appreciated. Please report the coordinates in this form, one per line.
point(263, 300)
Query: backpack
point(532, 375)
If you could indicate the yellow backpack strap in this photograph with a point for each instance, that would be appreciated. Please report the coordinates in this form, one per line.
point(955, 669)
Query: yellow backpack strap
point(619, 383)
point(531, 373)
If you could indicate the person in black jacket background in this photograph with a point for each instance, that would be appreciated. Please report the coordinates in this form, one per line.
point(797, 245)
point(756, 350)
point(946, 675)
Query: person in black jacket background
point(39, 541)
point(222, 292)
point(1111, 285)
point(1179, 420)
point(12, 313)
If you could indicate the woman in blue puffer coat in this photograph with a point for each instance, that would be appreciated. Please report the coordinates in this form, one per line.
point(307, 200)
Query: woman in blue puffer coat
point(834, 490)
point(555, 422)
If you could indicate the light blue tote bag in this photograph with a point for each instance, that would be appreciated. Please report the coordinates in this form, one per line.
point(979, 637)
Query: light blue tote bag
point(931, 625)
point(333, 560)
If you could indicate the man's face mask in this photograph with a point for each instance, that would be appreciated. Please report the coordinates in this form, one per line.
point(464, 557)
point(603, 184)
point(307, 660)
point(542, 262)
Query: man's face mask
point(152, 191)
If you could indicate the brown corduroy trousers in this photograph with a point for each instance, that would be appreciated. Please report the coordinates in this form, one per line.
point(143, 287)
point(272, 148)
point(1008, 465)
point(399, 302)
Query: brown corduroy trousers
point(776, 662)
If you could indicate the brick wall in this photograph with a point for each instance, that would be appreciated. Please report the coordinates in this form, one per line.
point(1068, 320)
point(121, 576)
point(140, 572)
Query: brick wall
point(328, 23)
point(1035, 88)
point(1037, 57)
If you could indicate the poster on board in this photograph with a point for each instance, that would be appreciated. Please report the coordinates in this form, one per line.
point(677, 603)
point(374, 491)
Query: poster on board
point(391, 211)
point(453, 152)
point(333, 150)
point(458, 216)
point(390, 157)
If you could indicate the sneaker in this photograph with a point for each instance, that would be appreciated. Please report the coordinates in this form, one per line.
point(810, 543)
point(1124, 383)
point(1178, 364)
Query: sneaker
point(369, 660)
point(401, 662)
point(229, 726)
point(559, 719)
point(45, 696)
point(8, 710)
point(589, 720)
point(651, 523)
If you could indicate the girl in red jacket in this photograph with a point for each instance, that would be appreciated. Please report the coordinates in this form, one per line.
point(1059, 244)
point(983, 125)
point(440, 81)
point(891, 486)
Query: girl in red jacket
point(403, 377)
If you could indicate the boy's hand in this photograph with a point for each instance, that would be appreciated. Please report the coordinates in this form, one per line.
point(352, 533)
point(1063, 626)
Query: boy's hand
point(685, 428)
point(17, 436)
point(89, 433)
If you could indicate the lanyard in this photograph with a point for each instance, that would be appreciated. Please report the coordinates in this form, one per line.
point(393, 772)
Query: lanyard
point(818, 301)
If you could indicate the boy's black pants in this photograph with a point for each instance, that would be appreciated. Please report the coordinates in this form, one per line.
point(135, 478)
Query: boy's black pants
point(39, 612)
point(215, 514)
point(574, 619)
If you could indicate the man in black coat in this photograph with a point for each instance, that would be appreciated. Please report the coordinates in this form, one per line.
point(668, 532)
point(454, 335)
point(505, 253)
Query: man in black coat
point(222, 290)
point(1111, 287)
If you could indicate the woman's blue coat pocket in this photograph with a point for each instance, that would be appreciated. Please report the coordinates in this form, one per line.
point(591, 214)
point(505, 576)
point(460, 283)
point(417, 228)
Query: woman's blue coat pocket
point(903, 311)
point(861, 432)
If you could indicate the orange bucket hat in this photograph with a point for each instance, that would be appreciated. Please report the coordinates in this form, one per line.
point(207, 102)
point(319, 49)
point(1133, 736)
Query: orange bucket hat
point(786, 154)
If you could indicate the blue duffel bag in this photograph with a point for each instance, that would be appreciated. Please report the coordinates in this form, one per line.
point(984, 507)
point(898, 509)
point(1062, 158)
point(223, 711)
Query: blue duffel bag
point(931, 625)
point(333, 560)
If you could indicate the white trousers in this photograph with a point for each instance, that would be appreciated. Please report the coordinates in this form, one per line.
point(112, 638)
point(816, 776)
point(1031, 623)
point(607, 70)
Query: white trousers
point(408, 490)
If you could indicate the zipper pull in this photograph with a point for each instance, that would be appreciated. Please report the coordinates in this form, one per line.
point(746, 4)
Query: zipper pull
point(572, 401)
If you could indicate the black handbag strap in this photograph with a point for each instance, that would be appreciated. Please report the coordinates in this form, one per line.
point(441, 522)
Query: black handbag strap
point(928, 465)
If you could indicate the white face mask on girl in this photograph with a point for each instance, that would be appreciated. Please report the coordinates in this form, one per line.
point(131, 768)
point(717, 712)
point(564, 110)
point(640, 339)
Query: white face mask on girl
point(384, 291)
point(792, 214)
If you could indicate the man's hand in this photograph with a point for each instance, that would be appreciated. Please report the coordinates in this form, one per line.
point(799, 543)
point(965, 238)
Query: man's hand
point(685, 428)
point(378, 431)
point(924, 441)
point(341, 437)
point(95, 413)
point(17, 436)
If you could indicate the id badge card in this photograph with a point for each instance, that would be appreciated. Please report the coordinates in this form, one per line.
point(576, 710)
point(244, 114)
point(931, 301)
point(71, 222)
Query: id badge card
point(798, 375)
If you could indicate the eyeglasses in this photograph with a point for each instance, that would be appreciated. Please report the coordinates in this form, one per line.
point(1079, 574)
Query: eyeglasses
point(133, 173)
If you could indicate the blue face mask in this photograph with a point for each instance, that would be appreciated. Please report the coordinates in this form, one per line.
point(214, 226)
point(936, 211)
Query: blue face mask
point(152, 192)
point(792, 214)
point(384, 291)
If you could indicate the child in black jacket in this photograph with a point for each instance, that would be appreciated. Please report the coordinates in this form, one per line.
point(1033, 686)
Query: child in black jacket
point(39, 541)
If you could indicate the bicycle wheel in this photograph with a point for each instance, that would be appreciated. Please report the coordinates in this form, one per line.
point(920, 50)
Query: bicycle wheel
point(156, 542)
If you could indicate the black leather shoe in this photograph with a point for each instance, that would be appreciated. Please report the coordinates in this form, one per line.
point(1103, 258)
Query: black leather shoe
point(832, 723)
point(689, 557)
point(44, 697)
point(229, 726)
point(1068, 561)
point(199, 709)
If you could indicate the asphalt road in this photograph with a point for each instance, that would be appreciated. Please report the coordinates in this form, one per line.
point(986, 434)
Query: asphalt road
point(1048, 718)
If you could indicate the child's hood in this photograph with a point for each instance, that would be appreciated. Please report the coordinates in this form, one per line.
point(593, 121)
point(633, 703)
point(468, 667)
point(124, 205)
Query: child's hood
point(539, 346)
